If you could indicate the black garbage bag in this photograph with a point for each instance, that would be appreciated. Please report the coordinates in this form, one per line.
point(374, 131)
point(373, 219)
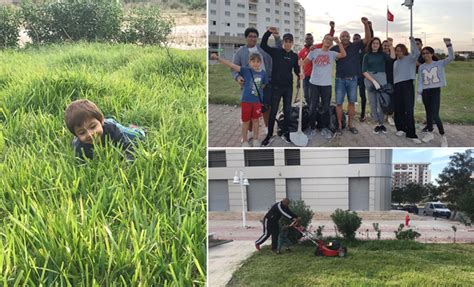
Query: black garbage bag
point(384, 94)
point(333, 125)
point(294, 116)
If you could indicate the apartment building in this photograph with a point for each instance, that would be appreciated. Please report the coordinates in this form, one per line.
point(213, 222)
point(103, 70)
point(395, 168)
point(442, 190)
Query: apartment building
point(404, 173)
point(228, 20)
point(326, 179)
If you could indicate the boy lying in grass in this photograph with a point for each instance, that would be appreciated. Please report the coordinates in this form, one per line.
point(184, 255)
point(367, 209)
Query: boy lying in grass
point(87, 123)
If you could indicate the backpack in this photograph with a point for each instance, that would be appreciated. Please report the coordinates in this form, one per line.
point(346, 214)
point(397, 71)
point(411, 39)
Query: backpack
point(132, 132)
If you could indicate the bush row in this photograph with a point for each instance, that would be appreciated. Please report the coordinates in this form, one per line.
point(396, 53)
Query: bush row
point(83, 20)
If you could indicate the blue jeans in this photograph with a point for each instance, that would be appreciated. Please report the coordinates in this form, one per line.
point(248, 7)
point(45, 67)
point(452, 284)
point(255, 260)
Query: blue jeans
point(346, 86)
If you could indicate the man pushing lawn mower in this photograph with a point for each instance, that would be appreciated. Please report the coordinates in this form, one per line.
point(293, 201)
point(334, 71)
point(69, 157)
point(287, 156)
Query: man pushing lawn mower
point(270, 223)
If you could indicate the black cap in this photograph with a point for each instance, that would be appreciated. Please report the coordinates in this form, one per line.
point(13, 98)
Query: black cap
point(288, 36)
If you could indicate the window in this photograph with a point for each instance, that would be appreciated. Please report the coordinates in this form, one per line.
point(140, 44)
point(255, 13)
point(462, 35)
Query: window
point(268, 10)
point(277, 20)
point(240, 35)
point(359, 156)
point(227, 13)
point(241, 5)
point(214, 23)
point(213, 33)
point(287, 22)
point(292, 157)
point(268, 1)
point(261, 157)
point(227, 2)
point(277, 11)
point(287, 13)
point(287, 30)
point(268, 19)
point(213, 1)
point(227, 34)
point(217, 158)
point(241, 25)
point(241, 15)
point(286, 4)
point(213, 12)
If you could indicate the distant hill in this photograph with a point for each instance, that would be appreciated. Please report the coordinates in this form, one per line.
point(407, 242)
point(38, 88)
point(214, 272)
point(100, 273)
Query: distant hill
point(166, 4)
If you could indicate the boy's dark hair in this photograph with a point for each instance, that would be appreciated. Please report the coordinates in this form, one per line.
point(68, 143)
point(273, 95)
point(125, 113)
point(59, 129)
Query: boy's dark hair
point(255, 56)
point(403, 48)
point(368, 49)
point(429, 49)
point(356, 35)
point(79, 111)
point(250, 30)
point(418, 40)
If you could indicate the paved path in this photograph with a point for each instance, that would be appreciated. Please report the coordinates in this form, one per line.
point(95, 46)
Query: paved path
point(225, 259)
point(224, 131)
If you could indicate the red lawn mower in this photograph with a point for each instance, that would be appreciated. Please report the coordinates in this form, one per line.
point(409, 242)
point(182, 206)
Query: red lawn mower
point(330, 249)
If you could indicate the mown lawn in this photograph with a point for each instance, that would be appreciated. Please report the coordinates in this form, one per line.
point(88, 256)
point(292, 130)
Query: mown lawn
point(372, 263)
point(108, 222)
point(456, 98)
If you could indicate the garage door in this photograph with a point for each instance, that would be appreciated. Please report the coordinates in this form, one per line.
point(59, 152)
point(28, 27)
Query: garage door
point(293, 188)
point(218, 195)
point(260, 194)
point(359, 193)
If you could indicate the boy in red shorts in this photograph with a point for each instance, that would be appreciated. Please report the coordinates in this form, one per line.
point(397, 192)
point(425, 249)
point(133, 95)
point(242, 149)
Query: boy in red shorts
point(251, 99)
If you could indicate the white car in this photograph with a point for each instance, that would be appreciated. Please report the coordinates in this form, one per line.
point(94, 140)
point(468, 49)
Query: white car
point(436, 209)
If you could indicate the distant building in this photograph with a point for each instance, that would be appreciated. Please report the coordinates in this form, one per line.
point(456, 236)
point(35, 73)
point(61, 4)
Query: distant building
point(228, 20)
point(404, 173)
point(326, 179)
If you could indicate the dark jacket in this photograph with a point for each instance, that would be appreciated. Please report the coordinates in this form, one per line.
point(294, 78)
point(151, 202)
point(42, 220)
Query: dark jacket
point(282, 64)
point(277, 210)
point(110, 132)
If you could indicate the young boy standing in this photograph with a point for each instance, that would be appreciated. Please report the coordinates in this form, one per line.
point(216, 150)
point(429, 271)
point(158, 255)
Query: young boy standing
point(252, 96)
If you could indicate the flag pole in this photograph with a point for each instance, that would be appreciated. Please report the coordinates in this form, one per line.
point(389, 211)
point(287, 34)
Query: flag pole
point(411, 22)
point(386, 19)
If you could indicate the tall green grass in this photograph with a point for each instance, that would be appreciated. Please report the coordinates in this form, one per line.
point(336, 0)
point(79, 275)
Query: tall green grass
point(107, 222)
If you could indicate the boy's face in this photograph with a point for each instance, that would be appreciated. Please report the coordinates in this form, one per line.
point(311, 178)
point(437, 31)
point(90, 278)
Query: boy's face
point(90, 131)
point(255, 64)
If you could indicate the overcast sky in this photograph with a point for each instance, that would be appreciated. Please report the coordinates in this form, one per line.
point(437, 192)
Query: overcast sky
point(438, 157)
point(436, 18)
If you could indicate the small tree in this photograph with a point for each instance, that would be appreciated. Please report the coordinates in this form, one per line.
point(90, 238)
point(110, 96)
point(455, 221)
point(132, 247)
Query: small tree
point(398, 195)
point(146, 26)
point(433, 192)
point(377, 229)
point(414, 193)
point(347, 222)
point(9, 27)
point(304, 212)
point(408, 234)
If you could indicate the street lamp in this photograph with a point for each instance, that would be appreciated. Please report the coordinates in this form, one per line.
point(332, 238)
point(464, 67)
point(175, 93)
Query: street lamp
point(240, 178)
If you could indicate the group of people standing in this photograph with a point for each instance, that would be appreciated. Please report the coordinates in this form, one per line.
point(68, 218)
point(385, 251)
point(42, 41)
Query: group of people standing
point(368, 64)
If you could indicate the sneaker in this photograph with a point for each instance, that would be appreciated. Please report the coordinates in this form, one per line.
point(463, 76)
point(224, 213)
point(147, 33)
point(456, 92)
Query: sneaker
point(428, 137)
point(444, 141)
point(390, 121)
point(257, 247)
point(268, 140)
point(326, 133)
point(250, 135)
point(362, 119)
point(426, 130)
point(245, 144)
point(400, 133)
point(338, 132)
point(265, 130)
point(376, 130)
point(256, 143)
point(383, 129)
point(416, 140)
point(286, 137)
point(353, 130)
point(312, 133)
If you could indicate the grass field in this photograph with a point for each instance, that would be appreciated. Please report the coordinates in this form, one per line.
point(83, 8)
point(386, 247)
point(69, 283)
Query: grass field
point(109, 222)
point(372, 263)
point(456, 98)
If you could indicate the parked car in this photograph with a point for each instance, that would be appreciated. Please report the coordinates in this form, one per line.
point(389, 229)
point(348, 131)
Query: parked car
point(396, 207)
point(436, 209)
point(411, 208)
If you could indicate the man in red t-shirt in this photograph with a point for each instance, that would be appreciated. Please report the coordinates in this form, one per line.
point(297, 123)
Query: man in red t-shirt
point(309, 40)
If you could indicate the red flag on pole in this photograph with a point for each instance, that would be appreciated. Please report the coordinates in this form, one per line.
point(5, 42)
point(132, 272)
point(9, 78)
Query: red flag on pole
point(389, 16)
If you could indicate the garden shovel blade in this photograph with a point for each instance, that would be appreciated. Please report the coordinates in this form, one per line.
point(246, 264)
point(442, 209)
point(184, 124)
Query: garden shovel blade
point(298, 137)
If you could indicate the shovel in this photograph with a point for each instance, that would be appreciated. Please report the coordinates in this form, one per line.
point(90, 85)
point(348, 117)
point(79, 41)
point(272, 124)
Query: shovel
point(298, 137)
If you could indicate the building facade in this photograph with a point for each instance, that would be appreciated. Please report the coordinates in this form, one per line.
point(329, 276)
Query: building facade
point(228, 20)
point(326, 179)
point(404, 173)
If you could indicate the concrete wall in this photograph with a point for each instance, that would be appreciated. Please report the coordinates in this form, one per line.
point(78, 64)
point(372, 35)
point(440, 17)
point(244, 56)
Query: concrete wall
point(324, 175)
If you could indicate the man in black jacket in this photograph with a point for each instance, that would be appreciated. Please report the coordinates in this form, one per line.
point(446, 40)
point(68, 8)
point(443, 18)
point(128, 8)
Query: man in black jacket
point(270, 223)
point(284, 61)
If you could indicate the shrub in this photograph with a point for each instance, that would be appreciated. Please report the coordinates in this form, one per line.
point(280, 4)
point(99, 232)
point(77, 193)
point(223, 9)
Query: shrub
point(301, 210)
point(347, 222)
point(409, 234)
point(146, 26)
point(9, 27)
point(72, 21)
point(377, 229)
